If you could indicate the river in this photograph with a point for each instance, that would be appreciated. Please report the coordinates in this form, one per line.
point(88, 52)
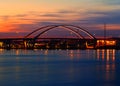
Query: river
point(59, 67)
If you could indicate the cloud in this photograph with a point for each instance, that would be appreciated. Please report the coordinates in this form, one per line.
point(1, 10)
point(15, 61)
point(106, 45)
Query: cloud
point(21, 15)
point(112, 2)
point(66, 11)
point(51, 15)
point(5, 18)
point(90, 19)
point(111, 17)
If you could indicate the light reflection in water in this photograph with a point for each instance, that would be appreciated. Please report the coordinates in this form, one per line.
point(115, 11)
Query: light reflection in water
point(108, 57)
point(71, 54)
point(74, 54)
point(46, 52)
point(66, 66)
point(17, 52)
point(103, 54)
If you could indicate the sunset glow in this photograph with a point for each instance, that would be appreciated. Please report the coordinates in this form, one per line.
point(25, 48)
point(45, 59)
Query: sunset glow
point(26, 16)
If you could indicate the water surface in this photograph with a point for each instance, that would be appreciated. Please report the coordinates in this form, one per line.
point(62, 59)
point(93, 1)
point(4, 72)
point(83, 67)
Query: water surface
point(60, 67)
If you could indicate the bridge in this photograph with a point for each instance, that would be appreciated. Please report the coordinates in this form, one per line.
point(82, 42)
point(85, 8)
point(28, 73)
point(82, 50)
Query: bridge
point(83, 39)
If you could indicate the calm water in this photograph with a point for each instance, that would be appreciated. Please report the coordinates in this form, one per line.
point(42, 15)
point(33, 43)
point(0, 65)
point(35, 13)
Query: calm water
point(59, 67)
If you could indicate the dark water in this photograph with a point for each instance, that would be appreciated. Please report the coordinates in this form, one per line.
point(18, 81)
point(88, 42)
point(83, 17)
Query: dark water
point(59, 67)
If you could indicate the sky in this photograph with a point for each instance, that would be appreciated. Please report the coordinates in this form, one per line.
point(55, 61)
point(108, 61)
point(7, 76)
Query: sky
point(19, 17)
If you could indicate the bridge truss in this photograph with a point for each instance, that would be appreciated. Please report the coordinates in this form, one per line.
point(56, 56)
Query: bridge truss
point(81, 41)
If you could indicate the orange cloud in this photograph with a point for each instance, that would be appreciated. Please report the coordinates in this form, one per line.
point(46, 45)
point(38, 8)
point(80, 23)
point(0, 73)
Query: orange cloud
point(113, 27)
point(6, 27)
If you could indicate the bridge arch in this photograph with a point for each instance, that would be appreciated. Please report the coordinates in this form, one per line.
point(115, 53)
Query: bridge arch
point(67, 27)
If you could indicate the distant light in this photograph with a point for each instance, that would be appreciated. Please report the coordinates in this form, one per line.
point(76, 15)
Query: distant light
point(106, 42)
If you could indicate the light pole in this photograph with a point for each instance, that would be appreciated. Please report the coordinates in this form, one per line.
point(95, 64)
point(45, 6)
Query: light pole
point(104, 35)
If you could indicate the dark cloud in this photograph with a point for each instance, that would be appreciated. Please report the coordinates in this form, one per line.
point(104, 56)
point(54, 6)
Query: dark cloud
point(52, 22)
point(46, 23)
point(66, 11)
point(12, 34)
point(111, 17)
point(21, 15)
point(58, 14)
point(51, 15)
point(112, 2)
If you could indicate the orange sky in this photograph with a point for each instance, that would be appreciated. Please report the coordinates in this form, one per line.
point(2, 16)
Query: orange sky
point(27, 15)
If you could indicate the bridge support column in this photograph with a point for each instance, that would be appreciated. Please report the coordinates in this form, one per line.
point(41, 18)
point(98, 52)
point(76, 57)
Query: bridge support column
point(91, 44)
point(7, 44)
point(29, 44)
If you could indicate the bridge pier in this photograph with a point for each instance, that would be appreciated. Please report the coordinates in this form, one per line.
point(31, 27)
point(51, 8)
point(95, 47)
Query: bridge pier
point(91, 43)
point(29, 43)
point(7, 44)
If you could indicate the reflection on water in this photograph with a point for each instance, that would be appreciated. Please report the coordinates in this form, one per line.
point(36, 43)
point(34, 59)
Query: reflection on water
point(59, 67)
point(107, 56)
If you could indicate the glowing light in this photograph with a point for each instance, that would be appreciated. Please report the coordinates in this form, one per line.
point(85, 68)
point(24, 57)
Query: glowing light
point(1, 44)
point(106, 42)
point(111, 42)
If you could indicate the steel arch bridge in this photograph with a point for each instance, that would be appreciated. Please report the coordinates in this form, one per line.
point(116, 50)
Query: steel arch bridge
point(67, 27)
point(77, 30)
